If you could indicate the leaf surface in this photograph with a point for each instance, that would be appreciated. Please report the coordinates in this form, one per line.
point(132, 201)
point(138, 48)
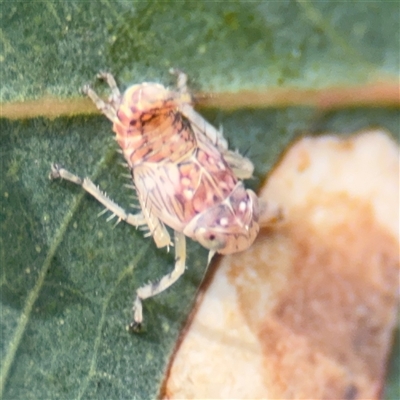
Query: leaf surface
point(68, 277)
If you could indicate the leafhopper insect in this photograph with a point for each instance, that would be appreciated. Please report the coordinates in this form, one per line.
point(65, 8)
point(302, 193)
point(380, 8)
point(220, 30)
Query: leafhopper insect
point(185, 176)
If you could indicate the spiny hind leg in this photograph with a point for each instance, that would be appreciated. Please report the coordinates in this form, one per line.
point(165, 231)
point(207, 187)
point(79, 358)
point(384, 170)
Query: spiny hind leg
point(165, 282)
point(90, 187)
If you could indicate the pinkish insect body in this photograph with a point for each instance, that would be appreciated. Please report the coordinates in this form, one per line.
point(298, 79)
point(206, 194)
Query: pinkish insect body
point(184, 175)
point(180, 175)
point(147, 127)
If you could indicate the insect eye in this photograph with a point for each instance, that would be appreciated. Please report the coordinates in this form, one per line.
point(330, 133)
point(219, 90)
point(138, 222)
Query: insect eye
point(210, 240)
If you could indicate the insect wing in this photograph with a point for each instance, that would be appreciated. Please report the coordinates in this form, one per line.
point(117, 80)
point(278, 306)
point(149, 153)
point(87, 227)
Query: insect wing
point(157, 185)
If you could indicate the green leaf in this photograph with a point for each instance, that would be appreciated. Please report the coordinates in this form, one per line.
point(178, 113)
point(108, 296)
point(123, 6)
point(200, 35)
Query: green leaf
point(51, 48)
point(67, 276)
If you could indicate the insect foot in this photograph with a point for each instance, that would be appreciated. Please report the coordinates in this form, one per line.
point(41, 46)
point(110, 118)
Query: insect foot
point(184, 175)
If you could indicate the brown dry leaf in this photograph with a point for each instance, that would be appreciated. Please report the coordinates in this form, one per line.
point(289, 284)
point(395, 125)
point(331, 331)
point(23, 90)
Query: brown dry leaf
point(309, 310)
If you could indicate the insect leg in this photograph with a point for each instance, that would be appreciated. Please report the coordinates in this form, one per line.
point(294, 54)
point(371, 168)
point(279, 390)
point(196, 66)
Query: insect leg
point(181, 80)
point(165, 282)
point(90, 187)
point(115, 93)
point(157, 229)
point(106, 108)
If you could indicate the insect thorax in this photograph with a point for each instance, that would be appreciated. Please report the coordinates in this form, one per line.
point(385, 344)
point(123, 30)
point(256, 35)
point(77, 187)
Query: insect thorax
point(150, 128)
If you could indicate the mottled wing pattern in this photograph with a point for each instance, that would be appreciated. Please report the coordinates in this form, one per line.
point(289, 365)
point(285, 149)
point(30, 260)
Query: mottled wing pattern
point(202, 127)
point(156, 187)
point(176, 192)
point(241, 166)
